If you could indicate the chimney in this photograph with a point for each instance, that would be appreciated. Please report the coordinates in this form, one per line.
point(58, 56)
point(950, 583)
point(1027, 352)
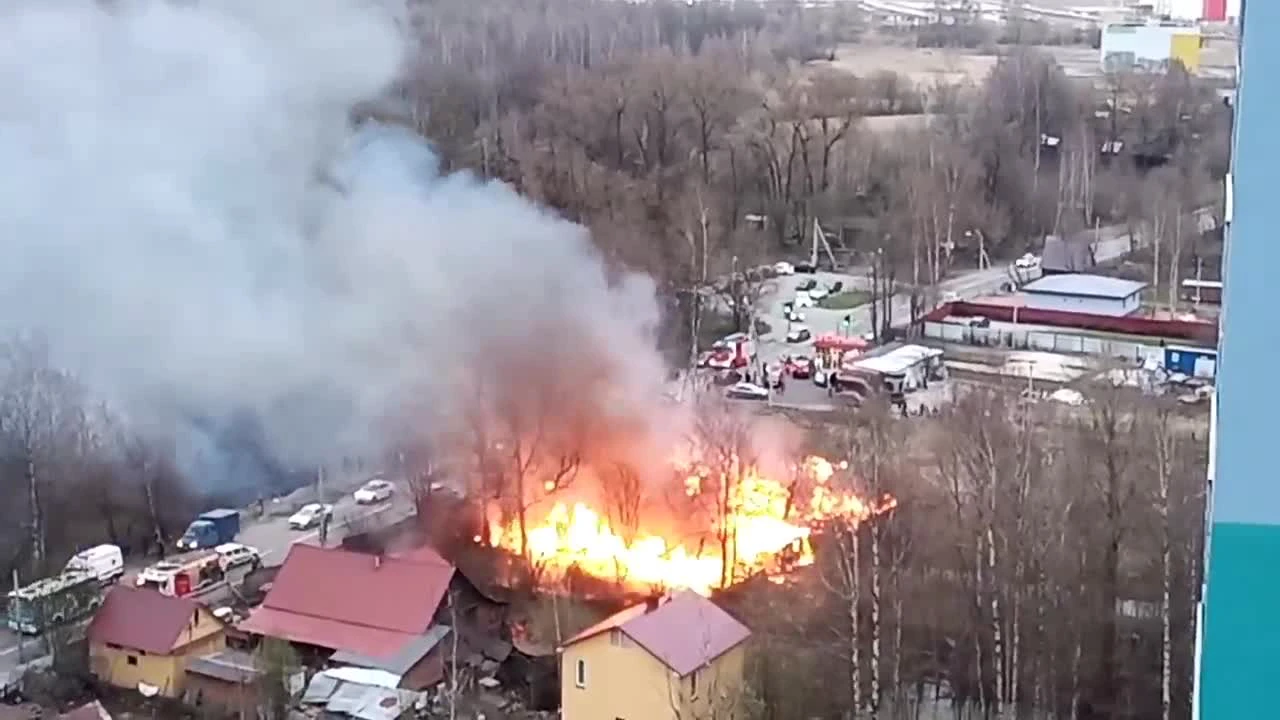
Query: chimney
point(653, 602)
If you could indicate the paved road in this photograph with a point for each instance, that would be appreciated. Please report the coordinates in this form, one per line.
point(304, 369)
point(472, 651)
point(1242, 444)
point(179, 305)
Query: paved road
point(270, 535)
point(1113, 243)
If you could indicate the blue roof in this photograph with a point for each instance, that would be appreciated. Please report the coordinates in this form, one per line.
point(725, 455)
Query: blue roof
point(1081, 284)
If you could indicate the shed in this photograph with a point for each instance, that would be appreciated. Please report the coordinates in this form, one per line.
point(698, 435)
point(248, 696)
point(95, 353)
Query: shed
point(1193, 361)
point(1085, 294)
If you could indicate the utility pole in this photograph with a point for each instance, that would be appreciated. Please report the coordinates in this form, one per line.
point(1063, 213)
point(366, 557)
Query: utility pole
point(821, 237)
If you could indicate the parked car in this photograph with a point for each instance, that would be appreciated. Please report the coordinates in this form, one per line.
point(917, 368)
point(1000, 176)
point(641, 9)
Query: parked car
point(806, 267)
point(803, 300)
point(1028, 261)
point(235, 554)
point(807, 285)
point(951, 296)
point(818, 292)
point(799, 334)
point(748, 391)
point(820, 378)
point(310, 515)
point(374, 491)
point(784, 268)
point(835, 287)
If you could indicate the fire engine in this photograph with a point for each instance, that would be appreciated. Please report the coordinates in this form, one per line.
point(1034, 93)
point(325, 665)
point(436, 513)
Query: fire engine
point(183, 575)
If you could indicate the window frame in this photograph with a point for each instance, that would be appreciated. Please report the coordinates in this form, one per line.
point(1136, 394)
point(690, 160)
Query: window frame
point(580, 672)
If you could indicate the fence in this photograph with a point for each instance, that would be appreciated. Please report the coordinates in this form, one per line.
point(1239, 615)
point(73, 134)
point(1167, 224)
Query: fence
point(1199, 332)
point(1043, 341)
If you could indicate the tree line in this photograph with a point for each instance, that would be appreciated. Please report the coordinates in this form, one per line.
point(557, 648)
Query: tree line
point(1041, 563)
point(698, 139)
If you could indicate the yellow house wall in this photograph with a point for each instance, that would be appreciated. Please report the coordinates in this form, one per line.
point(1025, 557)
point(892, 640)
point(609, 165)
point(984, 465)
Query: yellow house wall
point(628, 683)
point(1185, 47)
point(111, 664)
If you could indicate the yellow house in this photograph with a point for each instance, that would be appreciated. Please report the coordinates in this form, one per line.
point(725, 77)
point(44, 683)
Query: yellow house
point(676, 658)
point(141, 639)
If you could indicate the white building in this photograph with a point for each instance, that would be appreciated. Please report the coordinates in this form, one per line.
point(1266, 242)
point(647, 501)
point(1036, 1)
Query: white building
point(1081, 293)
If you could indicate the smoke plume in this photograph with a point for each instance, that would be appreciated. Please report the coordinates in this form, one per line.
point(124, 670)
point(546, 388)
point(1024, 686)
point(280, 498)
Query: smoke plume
point(191, 220)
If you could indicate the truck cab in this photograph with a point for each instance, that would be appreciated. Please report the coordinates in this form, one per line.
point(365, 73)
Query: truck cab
point(211, 529)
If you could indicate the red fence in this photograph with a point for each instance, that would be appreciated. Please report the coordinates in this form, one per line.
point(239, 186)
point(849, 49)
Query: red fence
point(1194, 331)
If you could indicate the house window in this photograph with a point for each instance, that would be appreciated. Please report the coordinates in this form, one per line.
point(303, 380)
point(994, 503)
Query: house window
point(131, 659)
point(580, 673)
point(617, 638)
point(693, 684)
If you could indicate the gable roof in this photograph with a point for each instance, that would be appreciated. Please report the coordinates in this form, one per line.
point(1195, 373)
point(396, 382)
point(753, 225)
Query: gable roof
point(142, 619)
point(685, 632)
point(344, 600)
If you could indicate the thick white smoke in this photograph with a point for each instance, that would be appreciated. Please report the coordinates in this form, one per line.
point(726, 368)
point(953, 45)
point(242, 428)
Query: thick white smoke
point(188, 217)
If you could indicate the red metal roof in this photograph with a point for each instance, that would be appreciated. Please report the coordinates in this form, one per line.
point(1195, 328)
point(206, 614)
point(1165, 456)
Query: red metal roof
point(141, 619)
point(685, 632)
point(344, 600)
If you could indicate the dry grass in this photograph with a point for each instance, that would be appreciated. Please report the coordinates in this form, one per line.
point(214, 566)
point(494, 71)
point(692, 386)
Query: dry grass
point(924, 66)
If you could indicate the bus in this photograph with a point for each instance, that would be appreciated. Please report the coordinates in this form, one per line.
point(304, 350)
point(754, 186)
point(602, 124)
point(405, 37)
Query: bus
point(54, 601)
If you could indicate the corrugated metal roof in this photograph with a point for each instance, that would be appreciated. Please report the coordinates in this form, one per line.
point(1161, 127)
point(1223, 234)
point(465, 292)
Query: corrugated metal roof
point(1085, 285)
point(405, 658)
point(345, 693)
point(684, 633)
point(344, 600)
point(898, 361)
point(141, 619)
point(91, 711)
point(233, 666)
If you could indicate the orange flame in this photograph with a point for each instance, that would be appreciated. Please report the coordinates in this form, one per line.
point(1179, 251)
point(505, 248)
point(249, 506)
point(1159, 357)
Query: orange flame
point(767, 524)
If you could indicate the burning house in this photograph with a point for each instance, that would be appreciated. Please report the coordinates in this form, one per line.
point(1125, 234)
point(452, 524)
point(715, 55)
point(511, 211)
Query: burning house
point(396, 614)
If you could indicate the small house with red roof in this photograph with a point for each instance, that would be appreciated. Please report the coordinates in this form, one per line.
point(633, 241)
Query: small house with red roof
point(143, 640)
point(382, 612)
point(674, 657)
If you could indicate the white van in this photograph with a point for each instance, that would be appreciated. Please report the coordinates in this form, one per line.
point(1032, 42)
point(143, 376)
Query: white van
point(105, 562)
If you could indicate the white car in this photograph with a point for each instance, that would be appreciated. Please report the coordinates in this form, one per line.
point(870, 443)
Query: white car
point(1027, 262)
point(748, 391)
point(803, 300)
point(235, 554)
point(799, 334)
point(818, 292)
point(374, 491)
point(784, 268)
point(310, 515)
point(951, 296)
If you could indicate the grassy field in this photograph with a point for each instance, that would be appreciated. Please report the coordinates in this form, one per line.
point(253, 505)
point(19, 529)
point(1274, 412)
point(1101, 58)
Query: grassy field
point(846, 300)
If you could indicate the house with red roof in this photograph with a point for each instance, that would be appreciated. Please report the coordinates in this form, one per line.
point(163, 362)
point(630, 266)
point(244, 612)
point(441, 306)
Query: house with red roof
point(143, 640)
point(674, 657)
point(382, 612)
